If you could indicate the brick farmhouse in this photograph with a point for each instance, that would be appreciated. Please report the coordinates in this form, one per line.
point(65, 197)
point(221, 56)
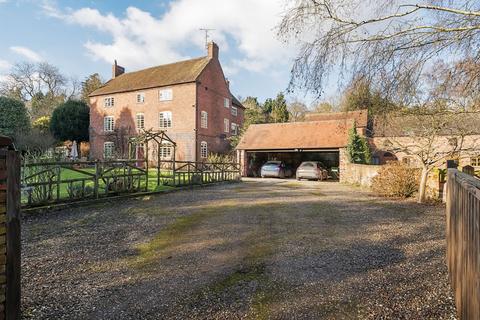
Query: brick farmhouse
point(189, 100)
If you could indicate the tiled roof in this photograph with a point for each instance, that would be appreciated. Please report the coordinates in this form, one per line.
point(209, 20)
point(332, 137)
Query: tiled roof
point(446, 124)
point(297, 135)
point(360, 116)
point(164, 75)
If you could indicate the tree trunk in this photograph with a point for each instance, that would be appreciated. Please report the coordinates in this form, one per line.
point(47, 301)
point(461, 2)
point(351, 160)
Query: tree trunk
point(423, 185)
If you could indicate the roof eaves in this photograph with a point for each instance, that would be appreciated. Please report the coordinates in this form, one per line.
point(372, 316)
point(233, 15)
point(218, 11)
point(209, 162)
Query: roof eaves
point(140, 88)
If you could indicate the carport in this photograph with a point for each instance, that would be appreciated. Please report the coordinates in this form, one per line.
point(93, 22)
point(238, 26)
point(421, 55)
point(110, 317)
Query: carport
point(293, 143)
point(293, 158)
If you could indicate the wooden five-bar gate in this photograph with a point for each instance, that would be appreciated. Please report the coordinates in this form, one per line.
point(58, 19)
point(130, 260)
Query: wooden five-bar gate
point(463, 242)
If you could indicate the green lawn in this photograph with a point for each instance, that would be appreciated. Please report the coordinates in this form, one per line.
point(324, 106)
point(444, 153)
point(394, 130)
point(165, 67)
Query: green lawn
point(67, 175)
point(80, 184)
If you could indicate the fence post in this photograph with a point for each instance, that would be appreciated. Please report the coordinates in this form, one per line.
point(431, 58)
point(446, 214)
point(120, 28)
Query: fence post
point(59, 172)
point(12, 295)
point(96, 182)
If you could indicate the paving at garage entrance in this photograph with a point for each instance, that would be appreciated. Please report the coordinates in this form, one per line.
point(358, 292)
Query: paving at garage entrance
point(261, 249)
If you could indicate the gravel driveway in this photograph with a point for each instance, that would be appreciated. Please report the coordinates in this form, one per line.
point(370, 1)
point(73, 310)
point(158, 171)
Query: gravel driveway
point(261, 249)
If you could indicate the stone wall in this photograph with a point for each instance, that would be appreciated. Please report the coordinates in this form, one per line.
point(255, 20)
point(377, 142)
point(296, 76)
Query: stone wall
point(358, 174)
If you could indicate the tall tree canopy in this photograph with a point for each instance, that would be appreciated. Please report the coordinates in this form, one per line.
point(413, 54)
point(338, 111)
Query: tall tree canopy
point(297, 110)
point(279, 111)
point(14, 118)
point(360, 95)
point(90, 84)
point(388, 41)
point(70, 121)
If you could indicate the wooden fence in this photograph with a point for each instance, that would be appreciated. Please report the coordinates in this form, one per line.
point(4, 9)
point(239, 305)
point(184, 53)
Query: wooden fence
point(55, 182)
point(463, 242)
point(10, 239)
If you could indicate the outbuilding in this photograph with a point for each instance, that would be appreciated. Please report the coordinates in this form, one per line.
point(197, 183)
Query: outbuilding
point(322, 137)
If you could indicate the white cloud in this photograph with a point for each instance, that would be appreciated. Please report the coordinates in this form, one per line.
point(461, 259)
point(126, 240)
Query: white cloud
point(27, 53)
point(139, 39)
point(4, 65)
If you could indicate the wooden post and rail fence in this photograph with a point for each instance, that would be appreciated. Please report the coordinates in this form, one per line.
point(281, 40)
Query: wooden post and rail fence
point(463, 241)
point(47, 183)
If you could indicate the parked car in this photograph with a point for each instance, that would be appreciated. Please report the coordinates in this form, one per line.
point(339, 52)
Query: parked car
point(312, 170)
point(276, 169)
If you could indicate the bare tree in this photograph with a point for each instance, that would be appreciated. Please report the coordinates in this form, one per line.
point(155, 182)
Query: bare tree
point(429, 135)
point(388, 41)
point(297, 110)
point(42, 86)
point(323, 106)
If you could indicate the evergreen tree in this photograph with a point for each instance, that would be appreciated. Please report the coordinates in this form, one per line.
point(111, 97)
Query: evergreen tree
point(267, 107)
point(357, 149)
point(14, 119)
point(280, 109)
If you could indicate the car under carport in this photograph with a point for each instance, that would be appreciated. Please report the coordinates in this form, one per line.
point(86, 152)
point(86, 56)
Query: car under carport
point(292, 158)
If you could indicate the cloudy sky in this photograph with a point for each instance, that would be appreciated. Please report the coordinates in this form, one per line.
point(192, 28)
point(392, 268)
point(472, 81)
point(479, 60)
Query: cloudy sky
point(84, 37)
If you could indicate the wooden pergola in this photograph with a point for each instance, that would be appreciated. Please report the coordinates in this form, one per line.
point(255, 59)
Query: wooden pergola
point(160, 138)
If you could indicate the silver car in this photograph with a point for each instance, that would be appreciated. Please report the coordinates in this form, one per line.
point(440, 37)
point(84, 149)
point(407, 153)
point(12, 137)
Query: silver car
point(275, 169)
point(312, 170)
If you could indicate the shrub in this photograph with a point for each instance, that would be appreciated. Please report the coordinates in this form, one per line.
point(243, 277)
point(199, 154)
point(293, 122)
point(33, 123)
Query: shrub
point(42, 124)
point(220, 158)
point(70, 121)
point(396, 180)
point(84, 149)
point(34, 141)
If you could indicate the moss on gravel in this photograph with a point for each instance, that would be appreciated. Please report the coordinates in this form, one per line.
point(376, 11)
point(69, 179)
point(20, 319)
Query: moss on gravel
point(174, 233)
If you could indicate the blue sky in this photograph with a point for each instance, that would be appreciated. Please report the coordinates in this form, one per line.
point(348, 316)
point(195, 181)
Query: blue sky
point(83, 37)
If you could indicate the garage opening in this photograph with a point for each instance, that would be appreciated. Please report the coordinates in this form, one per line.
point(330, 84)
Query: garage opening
point(330, 158)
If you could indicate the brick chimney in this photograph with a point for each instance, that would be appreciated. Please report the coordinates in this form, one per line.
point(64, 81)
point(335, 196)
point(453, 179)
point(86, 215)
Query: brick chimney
point(212, 50)
point(228, 83)
point(117, 70)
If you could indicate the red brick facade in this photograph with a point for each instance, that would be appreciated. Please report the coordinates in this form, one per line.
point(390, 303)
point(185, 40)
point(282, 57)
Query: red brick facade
point(206, 93)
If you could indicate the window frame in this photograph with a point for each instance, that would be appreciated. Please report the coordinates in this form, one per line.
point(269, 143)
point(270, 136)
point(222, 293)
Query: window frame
point(164, 155)
point(109, 143)
point(475, 161)
point(142, 120)
point(105, 129)
point(142, 95)
point(234, 111)
point(234, 128)
point(203, 149)
point(226, 103)
point(162, 120)
point(161, 94)
point(226, 125)
point(109, 102)
point(204, 119)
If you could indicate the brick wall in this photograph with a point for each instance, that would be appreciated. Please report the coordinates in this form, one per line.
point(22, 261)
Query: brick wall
point(126, 108)
point(212, 89)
